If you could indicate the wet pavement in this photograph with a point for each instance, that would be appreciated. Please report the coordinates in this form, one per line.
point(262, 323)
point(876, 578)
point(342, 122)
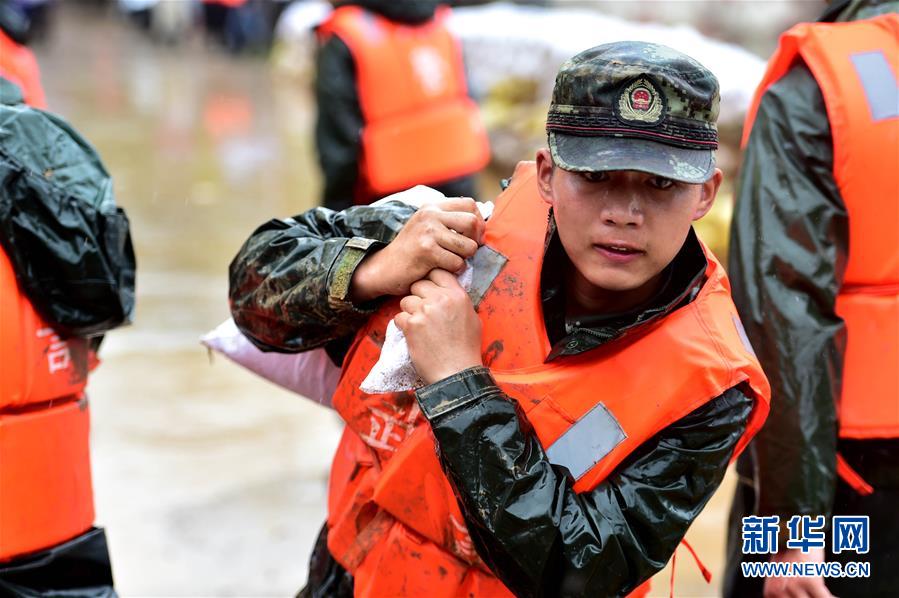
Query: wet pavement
point(209, 481)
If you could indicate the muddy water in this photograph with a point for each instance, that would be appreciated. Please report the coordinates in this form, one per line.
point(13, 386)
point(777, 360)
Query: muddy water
point(208, 480)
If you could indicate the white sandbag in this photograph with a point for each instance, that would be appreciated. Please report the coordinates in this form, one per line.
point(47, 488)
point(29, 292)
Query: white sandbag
point(311, 373)
point(394, 371)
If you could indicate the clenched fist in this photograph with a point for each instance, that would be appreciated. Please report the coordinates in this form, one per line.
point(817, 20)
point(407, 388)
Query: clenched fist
point(440, 235)
point(441, 327)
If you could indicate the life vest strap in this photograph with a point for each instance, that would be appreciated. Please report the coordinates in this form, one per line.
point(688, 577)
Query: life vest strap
point(852, 477)
point(706, 574)
point(870, 289)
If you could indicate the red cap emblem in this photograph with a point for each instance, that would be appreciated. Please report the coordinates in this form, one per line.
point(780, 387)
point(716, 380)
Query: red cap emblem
point(641, 102)
point(640, 99)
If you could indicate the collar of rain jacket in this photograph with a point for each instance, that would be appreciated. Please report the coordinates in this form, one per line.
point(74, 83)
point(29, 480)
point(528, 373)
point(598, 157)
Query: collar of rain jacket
point(685, 277)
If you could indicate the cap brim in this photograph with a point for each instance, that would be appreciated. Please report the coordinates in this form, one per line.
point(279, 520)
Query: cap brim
point(593, 154)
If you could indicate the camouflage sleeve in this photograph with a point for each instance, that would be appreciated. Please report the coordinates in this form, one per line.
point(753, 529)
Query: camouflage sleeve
point(288, 284)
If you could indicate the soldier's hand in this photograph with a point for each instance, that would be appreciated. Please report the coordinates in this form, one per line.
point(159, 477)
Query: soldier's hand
point(440, 235)
point(441, 327)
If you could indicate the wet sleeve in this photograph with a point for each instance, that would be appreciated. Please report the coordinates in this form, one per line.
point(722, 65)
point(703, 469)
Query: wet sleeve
point(539, 536)
point(338, 125)
point(789, 243)
point(289, 283)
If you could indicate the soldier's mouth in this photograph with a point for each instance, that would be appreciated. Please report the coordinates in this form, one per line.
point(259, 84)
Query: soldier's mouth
point(618, 252)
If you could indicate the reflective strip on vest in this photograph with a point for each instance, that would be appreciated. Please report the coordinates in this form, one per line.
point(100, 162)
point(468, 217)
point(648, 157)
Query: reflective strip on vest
point(741, 331)
point(879, 82)
point(586, 442)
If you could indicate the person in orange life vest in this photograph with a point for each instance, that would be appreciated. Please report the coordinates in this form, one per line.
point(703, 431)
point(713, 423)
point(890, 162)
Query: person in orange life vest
point(586, 412)
point(49, 545)
point(393, 109)
point(815, 267)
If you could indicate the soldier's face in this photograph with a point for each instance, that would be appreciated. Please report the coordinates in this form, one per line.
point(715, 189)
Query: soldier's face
point(620, 229)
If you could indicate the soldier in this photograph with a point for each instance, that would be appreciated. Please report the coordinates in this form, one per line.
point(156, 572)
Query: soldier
point(586, 411)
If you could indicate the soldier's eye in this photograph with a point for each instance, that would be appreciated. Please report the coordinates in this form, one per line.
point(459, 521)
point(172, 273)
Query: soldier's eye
point(595, 177)
point(660, 182)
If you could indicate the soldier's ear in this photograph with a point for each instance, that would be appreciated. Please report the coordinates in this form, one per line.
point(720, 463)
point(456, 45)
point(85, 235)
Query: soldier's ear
point(545, 169)
point(708, 191)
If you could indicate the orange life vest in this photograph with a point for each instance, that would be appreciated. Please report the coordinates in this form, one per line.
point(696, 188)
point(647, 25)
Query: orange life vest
point(393, 520)
point(856, 66)
point(45, 476)
point(420, 125)
point(18, 64)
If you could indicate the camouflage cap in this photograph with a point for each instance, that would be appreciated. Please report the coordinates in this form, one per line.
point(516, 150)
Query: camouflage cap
point(635, 106)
